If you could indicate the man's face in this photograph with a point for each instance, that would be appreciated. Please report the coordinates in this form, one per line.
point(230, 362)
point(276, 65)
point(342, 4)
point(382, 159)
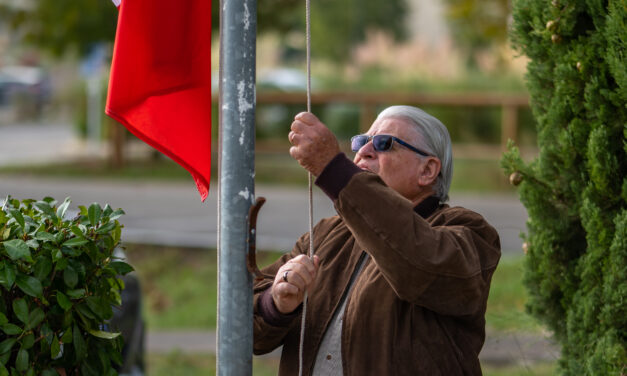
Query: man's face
point(400, 168)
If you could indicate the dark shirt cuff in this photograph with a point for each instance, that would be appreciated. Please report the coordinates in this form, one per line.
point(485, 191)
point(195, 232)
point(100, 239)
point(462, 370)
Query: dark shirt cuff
point(336, 175)
point(270, 314)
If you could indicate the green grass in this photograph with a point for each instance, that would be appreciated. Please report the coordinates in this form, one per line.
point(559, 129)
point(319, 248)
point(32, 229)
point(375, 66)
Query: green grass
point(180, 364)
point(176, 363)
point(506, 303)
point(180, 289)
point(179, 285)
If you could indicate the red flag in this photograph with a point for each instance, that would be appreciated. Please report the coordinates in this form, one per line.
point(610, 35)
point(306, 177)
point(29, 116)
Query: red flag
point(160, 84)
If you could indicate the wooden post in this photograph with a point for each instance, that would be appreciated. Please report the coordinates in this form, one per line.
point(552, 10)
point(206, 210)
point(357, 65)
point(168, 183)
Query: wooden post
point(367, 114)
point(117, 139)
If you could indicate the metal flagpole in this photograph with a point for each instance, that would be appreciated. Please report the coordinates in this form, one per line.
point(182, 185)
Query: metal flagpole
point(238, 32)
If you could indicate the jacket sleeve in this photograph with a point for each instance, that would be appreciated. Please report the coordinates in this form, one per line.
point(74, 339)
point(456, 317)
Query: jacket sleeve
point(444, 266)
point(269, 332)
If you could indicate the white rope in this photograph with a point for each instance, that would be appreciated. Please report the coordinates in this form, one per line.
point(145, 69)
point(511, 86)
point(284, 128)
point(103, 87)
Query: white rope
point(310, 178)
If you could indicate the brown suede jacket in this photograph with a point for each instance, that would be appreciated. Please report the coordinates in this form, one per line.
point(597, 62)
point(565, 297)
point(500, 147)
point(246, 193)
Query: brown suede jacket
point(417, 307)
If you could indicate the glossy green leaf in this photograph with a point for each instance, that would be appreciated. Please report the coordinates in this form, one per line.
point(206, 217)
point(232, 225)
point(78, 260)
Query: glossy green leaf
point(82, 209)
point(49, 372)
point(63, 301)
point(4, 358)
point(45, 236)
point(46, 209)
point(104, 335)
point(121, 267)
point(100, 307)
point(75, 242)
point(20, 308)
point(32, 244)
point(3, 370)
point(59, 237)
point(49, 200)
point(116, 214)
point(70, 277)
point(67, 336)
point(11, 329)
point(55, 347)
point(6, 345)
point(107, 210)
point(3, 319)
point(7, 276)
point(57, 255)
point(93, 213)
point(30, 285)
point(62, 209)
point(84, 310)
point(35, 318)
point(21, 362)
point(17, 249)
point(28, 341)
point(79, 343)
point(19, 218)
point(6, 233)
point(106, 228)
point(77, 231)
point(43, 267)
point(76, 294)
point(45, 331)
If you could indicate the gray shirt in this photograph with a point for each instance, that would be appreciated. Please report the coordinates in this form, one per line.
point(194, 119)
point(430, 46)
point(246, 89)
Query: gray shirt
point(329, 357)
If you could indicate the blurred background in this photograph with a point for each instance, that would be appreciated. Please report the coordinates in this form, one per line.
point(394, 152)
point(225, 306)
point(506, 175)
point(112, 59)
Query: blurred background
point(449, 57)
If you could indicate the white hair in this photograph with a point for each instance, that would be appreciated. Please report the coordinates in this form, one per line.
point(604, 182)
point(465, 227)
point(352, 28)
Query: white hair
point(435, 140)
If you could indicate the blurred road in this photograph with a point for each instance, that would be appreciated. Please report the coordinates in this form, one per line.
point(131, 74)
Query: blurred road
point(31, 143)
point(172, 214)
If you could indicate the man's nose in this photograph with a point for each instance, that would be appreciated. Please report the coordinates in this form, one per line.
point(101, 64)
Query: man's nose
point(367, 151)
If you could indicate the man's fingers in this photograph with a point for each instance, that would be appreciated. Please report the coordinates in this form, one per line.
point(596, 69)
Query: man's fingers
point(286, 290)
point(307, 117)
point(306, 262)
point(298, 126)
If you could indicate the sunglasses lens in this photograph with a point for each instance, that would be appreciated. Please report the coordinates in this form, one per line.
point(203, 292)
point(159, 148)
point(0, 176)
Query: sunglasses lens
point(382, 142)
point(357, 142)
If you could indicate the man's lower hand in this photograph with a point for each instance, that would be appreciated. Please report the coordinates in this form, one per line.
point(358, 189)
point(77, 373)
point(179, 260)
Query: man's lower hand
point(291, 282)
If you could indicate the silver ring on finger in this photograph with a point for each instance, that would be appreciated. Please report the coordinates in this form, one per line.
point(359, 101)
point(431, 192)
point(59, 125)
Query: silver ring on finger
point(285, 275)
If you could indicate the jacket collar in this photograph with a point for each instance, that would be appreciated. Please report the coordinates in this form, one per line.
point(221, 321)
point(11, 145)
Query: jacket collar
point(427, 206)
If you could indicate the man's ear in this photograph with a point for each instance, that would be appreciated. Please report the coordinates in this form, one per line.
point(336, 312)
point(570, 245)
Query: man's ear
point(430, 171)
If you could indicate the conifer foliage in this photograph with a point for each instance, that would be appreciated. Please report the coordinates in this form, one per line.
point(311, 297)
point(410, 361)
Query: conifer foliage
point(575, 191)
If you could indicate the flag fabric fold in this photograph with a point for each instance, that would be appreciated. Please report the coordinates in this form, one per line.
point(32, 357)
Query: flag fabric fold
point(160, 82)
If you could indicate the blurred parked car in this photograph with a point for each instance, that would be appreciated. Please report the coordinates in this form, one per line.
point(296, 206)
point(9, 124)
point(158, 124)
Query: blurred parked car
point(24, 86)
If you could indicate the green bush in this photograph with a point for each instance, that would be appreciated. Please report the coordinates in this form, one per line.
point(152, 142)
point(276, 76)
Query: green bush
point(576, 190)
point(58, 283)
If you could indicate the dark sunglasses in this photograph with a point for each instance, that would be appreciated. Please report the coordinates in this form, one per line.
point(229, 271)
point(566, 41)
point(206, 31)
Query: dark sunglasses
point(381, 142)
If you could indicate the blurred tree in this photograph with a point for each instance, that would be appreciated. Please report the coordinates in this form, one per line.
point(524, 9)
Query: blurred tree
point(478, 25)
point(576, 190)
point(336, 25)
point(57, 26)
point(272, 15)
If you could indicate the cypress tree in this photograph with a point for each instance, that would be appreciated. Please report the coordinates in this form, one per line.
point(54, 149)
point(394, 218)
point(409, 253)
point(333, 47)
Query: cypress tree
point(575, 191)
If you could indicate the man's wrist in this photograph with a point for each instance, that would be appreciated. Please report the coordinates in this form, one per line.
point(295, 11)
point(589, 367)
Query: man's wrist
point(271, 314)
point(336, 175)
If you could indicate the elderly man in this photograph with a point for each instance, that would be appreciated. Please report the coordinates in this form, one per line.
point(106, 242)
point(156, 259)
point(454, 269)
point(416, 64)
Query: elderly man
point(400, 280)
